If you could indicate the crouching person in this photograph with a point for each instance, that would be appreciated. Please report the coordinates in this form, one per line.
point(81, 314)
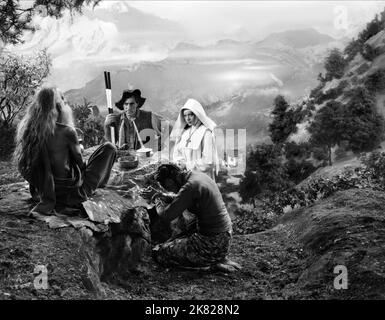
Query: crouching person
point(199, 194)
point(49, 157)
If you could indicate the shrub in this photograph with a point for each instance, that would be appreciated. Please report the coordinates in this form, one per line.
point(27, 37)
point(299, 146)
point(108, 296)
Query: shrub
point(251, 220)
point(335, 65)
point(265, 172)
point(298, 171)
point(376, 81)
point(7, 141)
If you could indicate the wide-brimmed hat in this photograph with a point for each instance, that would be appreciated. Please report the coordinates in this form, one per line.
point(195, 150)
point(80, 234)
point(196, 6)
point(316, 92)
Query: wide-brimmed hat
point(130, 93)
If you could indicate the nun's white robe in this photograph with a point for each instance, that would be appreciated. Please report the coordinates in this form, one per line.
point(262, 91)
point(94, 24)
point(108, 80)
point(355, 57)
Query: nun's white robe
point(195, 146)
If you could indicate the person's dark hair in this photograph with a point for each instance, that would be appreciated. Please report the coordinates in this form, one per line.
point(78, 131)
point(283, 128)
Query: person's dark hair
point(167, 171)
point(131, 93)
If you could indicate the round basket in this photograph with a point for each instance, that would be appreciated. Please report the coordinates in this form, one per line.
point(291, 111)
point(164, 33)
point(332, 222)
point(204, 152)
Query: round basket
point(128, 162)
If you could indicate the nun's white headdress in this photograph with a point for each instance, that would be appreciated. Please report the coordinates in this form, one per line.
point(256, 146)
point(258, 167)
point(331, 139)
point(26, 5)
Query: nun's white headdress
point(196, 108)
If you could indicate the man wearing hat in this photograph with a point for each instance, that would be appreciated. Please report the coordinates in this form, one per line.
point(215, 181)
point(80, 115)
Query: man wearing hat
point(125, 134)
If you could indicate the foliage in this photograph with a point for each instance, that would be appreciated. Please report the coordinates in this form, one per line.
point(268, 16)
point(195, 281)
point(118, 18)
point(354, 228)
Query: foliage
point(16, 18)
point(357, 122)
point(326, 127)
point(299, 170)
point(370, 53)
point(371, 174)
point(251, 220)
point(81, 113)
point(331, 94)
point(93, 131)
point(20, 77)
point(363, 126)
point(297, 150)
point(7, 140)
point(265, 172)
point(375, 82)
point(285, 119)
point(90, 125)
point(358, 45)
point(334, 65)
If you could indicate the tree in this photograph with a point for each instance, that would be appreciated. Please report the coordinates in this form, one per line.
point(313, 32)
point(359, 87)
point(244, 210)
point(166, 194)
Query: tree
point(20, 76)
point(363, 126)
point(284, 121)
point(93, 131)
point(325, 129)
point(265, 174)
point(90, 125)
point(334, 65)
point(81, 113)
point(16, 18)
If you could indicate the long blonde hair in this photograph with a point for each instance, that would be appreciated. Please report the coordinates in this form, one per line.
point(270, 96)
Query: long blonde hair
point(35, 129)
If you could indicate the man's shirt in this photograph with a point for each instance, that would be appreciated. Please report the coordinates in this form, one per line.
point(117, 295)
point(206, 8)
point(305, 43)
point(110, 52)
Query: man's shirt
point(201, 196)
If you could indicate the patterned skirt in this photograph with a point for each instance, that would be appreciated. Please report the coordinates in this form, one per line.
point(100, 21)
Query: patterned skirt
point(195, 250)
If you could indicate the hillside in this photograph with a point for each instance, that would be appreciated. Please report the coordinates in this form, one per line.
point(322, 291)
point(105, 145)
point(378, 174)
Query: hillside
point(293, 260)
point(360, 72)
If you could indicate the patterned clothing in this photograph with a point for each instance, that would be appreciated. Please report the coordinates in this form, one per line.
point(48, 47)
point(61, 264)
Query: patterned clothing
point(193, 251)
point(210, 243)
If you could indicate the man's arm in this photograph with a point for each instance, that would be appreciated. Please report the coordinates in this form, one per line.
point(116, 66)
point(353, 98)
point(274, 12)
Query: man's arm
point(183, 200)
point(74, 147)
point(112, 119)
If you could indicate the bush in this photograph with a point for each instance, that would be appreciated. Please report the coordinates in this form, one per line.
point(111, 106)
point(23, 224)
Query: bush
point(335, 65)
point(265, 172)
point(362, 125)
point(358, 45)
point(20, 77)
point(251, 220)
point(369, 53)
point(331, 94)
point(298, 171)
point(93, 131)
point(375, 82)
point(7, 141)
point(375, 164)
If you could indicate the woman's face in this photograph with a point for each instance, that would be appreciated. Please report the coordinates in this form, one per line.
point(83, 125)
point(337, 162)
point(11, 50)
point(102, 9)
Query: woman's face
point(189, 117)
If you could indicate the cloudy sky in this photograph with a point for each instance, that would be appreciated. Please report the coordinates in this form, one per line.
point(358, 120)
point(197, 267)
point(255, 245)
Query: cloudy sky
point(212, 19)
point(125, 32)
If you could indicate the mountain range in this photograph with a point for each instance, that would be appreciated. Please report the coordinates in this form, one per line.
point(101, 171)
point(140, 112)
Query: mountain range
point(236, 81)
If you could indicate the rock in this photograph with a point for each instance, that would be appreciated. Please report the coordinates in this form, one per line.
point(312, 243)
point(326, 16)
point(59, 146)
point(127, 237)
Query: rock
point(114, 233)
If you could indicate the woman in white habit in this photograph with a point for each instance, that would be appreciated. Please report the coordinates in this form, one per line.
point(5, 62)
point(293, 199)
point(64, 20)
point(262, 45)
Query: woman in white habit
point(194, 138)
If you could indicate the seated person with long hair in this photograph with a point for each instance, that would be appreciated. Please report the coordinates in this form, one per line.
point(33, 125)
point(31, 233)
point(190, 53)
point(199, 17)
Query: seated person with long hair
point(49, 157)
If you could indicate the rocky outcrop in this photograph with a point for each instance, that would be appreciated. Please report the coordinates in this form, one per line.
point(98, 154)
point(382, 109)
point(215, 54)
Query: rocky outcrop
point(113, 228)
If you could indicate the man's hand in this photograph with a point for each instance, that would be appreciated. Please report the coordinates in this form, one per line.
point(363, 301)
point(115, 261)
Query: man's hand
point(165, 197)
point(148, 193)
point(160, 206)
point(112, 118)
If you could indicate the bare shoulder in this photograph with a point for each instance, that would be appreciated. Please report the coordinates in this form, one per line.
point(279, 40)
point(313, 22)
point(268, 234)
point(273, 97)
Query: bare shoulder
point(68, 132)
